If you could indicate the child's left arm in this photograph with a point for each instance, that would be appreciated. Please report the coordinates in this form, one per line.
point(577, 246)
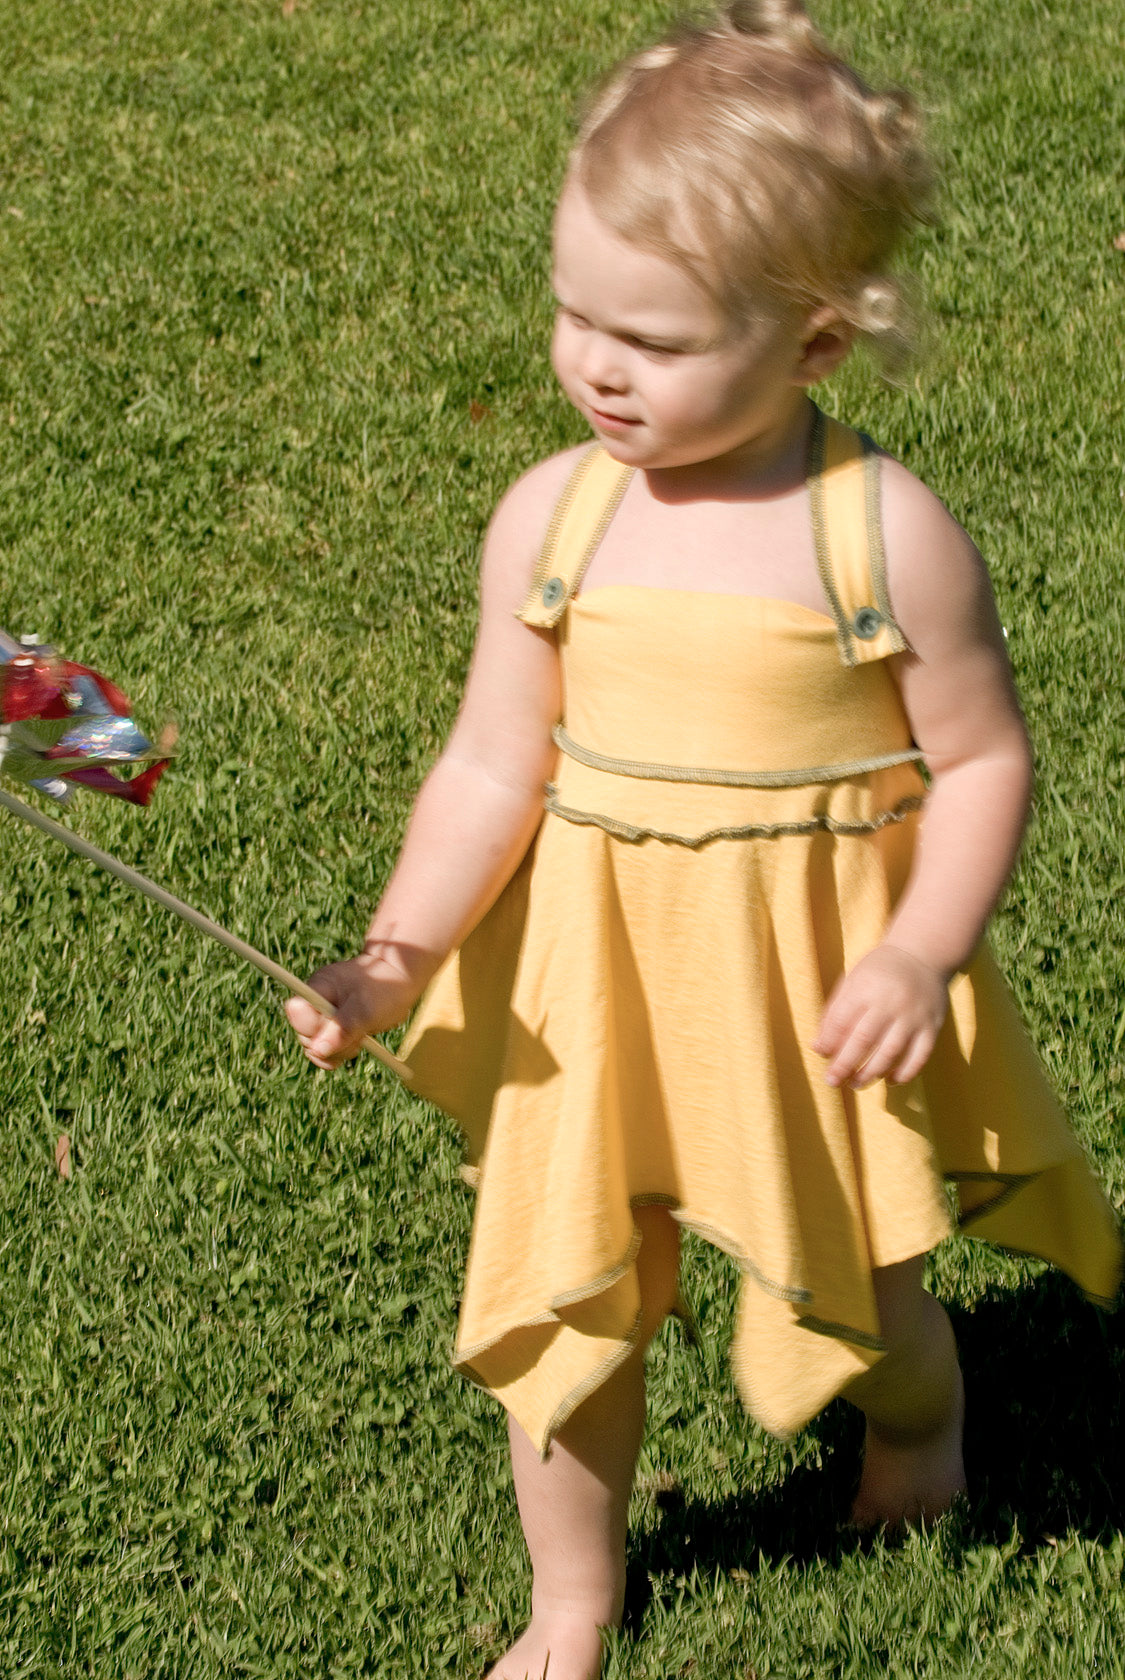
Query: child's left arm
point(884, 1016)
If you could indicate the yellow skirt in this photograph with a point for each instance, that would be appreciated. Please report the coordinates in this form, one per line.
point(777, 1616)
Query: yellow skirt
point(631, 1023)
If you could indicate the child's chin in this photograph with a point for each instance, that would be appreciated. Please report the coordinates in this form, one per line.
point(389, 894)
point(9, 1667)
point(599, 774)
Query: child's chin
point(621, 449)
point(630, 448)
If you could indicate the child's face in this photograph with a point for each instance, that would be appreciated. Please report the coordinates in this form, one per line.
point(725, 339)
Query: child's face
point(645, 355)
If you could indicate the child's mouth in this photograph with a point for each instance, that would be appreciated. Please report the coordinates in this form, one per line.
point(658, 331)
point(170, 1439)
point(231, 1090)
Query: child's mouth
point(611, 422)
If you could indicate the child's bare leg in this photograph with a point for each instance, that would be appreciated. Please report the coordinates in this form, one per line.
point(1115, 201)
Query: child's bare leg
point(574, 1504)
point(913, 1400)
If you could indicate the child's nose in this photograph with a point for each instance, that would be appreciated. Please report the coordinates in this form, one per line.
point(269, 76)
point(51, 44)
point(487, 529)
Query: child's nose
point(604, 364)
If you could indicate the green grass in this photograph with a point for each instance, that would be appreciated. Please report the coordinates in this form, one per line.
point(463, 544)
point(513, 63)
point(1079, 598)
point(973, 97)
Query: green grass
point(255, 272)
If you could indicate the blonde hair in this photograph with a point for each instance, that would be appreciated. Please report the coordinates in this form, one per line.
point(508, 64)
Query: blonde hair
point(745, 151)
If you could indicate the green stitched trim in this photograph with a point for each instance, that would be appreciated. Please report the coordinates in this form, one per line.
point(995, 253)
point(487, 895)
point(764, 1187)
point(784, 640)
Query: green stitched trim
point(812, 776)
point(1011, 1184)
point(602, 1372)
point(572, 1297)
point(584, 1389)
point(843, 1333)
point(546, 563)
point(876, 554)
point(719, 1239)
point(818, 444)
point(748, 831)
point(987, 1177)
point(1108, 1303)
point(574, 1399)
point(613, 1274)
point(545, 560)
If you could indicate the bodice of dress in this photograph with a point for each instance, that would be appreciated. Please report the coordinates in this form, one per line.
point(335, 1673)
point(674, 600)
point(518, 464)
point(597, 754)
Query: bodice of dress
point(733, 683)
point(689, 715)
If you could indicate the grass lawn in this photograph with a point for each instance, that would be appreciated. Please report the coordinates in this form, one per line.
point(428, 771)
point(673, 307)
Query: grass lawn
point(273, 327)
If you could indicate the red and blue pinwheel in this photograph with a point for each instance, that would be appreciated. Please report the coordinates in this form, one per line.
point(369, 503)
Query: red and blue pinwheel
point(63, 724)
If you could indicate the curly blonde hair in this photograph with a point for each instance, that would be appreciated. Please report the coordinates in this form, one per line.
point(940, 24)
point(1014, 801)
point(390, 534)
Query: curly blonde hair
point(745, 150)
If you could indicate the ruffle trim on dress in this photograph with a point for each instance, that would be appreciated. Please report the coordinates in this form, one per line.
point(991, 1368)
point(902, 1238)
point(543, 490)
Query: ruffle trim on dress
point(813, 775)
point(821, 823)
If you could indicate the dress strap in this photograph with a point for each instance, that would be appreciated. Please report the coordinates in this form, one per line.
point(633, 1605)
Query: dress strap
point(847, 530)
point(582, 514)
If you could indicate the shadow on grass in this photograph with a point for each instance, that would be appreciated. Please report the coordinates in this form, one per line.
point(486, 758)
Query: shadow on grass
point(1045, 1379)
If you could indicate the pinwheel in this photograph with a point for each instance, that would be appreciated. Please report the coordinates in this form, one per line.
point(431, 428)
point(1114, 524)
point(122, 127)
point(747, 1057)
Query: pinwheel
point(63, 726)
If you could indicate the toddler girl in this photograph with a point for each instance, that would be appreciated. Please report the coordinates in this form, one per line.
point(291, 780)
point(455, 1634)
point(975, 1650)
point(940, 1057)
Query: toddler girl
point(728, 973)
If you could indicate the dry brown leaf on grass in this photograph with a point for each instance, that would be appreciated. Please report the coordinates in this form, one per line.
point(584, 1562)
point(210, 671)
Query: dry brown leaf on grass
point(62, 1155)
point(288, 8)
point(1119, 242)
point(478, 411)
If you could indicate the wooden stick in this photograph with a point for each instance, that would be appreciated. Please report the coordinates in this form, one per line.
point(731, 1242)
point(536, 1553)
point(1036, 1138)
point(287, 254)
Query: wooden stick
point(141, 883)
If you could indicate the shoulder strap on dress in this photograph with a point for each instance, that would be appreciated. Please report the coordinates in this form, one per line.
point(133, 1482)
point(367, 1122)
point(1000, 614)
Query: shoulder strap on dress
point(847, 530)
point(578, 524)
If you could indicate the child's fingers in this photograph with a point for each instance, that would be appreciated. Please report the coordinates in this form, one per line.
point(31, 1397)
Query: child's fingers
point(884, 1055)
point(332, 1044)
point(916, 1056)
point(881, 1021)
point(303, 1018)
point(326, 1040)
point(857, 1044)
point(835, 1023)
point(321, 1037)
point(353, 1021)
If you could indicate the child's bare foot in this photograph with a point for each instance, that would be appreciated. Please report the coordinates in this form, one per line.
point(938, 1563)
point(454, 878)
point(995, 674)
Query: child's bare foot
point(906, 1482)
point(559, 1646)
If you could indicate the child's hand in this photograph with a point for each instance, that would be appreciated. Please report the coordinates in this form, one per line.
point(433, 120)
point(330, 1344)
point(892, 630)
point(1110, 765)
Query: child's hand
point(367, 998)
point(882, 1019)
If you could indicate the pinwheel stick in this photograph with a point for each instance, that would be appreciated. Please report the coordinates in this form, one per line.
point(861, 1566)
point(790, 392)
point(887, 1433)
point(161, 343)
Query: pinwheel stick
point(141, 883)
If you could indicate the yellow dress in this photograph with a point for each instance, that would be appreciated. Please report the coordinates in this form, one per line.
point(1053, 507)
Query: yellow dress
point(733, 816)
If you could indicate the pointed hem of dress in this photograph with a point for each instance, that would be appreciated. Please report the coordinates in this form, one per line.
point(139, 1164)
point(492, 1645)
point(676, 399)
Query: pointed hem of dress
point(864, 1340)
point(465, 1358)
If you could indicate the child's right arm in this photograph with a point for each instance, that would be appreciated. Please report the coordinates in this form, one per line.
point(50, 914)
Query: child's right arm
point(478, 809)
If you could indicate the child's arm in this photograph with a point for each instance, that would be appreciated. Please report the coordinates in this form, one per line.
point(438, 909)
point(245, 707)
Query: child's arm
point(479, 807)
point(884, 1016)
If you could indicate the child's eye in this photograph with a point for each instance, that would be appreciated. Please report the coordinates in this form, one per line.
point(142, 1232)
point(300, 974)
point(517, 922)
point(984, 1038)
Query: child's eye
point(659, 352)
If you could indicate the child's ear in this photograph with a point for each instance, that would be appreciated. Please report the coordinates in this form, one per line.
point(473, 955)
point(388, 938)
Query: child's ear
point(825, 341)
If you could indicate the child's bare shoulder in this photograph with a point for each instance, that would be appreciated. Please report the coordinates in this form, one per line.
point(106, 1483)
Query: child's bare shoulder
point(937, 581)
point(534, 494)
point(519, 524)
